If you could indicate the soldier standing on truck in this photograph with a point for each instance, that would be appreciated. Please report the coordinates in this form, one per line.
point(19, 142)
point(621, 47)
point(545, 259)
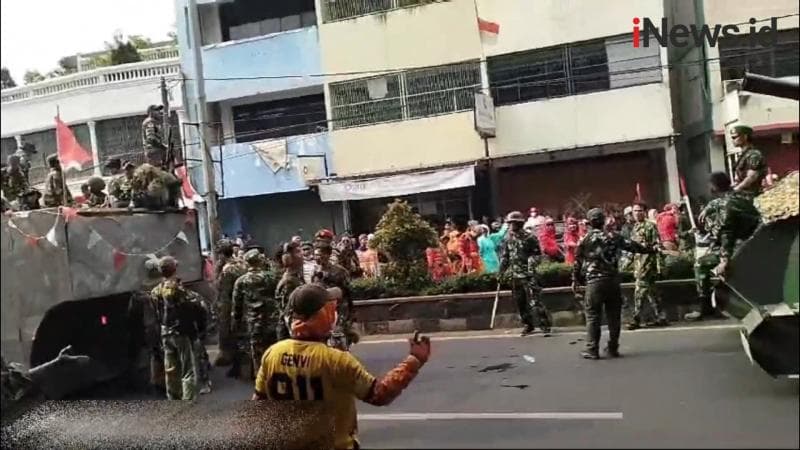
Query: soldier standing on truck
point(727, 219)
point(181, 321)
point(15, 183)
point(254, 298)
point(751, 167)
point(520, 255)
point(55, 190)
point(25, 153)
point(230, 269)
point(155, 149)
point(119, 188)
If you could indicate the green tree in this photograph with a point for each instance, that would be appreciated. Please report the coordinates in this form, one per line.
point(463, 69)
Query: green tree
point(6, 81)
point(139, 41)
point(404, 236)
point(32, 76)
point(122, 51)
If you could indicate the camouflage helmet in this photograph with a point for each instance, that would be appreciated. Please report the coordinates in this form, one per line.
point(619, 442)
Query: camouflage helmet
point(222, 245)
point(254, 258)
point(96, 183)
point(167, 263)
point(515, 216)
point(595, 215)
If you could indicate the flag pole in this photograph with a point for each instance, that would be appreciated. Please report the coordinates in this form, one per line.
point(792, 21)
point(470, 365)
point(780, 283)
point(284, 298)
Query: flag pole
point(58, 157)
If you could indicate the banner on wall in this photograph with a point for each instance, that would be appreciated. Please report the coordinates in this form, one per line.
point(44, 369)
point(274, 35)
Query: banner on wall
point(398, 185)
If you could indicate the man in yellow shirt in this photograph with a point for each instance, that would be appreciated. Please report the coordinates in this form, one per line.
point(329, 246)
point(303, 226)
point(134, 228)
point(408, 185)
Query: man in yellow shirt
point(305, 368)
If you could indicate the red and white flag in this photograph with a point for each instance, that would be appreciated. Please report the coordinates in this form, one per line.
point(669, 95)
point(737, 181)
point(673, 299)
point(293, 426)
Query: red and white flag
point(187, 190)
point(488, 27)
point(70, 153)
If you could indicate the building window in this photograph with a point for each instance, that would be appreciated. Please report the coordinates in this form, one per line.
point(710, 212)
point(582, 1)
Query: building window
point(404, 95)
point(244, 19)
point(737, 56)
point(279, 118)
point(572, 69)
point(334, 10)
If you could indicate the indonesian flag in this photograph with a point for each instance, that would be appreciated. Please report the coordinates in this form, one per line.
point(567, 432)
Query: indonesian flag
point(70, 153)
point(488, 27)
point(187, 190)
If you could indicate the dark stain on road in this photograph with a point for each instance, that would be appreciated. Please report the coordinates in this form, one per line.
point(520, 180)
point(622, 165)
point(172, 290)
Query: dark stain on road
point(512, 356)
point(499, 368)
point(518, 386)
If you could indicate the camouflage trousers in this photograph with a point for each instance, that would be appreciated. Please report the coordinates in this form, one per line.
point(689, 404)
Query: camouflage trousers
point(227, 342)
point(703, 267)
point(646, 291)
point(259, 343)
point(603, 294)
point(525, 292)
point(180, 367)
point(203, 363)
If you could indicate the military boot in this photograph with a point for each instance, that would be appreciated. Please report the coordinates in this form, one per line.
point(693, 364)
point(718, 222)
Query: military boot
point(612, 352)
point(528, 330)
point(590, 354)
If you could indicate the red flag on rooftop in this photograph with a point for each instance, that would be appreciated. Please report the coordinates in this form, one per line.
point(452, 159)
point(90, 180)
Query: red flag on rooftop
point(488, 27)
point(70, 152)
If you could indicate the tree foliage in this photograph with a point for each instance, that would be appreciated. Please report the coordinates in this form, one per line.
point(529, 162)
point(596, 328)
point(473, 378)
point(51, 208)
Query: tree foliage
point(32, 76)
point(6, 80)
point(404, 236)
point(122, 51)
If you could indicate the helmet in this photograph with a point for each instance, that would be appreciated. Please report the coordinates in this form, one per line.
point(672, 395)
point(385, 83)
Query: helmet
point(96, 184)
point(254, 258)
point(515, 216)
point(595, 214)
point(167, 262)
point(222, 245)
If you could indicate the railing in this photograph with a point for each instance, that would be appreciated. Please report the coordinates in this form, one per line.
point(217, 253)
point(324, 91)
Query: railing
point(147, 54)
point(103, 76)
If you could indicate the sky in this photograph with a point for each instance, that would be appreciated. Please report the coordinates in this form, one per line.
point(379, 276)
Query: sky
point(35, 34)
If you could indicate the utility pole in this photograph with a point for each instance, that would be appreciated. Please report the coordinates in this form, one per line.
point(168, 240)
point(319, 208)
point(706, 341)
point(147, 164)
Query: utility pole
point(200, 114)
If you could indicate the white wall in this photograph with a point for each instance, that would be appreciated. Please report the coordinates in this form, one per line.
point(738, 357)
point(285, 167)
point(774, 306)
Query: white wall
point(617, 115)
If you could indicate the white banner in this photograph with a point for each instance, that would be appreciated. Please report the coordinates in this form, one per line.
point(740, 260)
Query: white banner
point(397, 185)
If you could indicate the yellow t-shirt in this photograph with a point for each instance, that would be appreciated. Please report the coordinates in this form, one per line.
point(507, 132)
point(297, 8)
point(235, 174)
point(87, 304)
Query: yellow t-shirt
point(305, 370)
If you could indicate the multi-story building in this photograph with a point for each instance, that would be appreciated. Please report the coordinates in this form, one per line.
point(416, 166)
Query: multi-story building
point(709, 100)
point(104, 107)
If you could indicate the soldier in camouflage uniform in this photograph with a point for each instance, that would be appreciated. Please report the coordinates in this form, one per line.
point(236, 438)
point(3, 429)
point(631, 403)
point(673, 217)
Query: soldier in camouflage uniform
point(292, 278)
point(329, 274)
point(55, 190)
point(597, 266)
point(119, 188)
point(203, 363)
point(97, 198)
point(228, 271)
point(254, 298)
point(727, 219)
point(154, 188)
point(153, 142)
point(646, 270)
point(14, 181)
point(751, 167)
point(520, 256)
point(25, 153)
point(182, 321)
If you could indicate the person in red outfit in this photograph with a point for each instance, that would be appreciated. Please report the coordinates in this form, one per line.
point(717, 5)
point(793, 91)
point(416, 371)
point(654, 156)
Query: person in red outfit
point(571, 238)
point(468, 251)
point(548, 241)
point(667, 223)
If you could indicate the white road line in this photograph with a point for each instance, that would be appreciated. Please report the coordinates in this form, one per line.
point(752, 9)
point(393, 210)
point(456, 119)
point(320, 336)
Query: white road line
point(555, 334)
point(493, 416)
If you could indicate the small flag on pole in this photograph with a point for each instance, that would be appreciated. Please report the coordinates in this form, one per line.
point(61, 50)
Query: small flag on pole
point(70, 152)
point(488, 27)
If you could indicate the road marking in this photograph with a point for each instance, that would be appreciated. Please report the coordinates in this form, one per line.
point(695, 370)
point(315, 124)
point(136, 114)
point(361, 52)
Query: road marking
point(493, 416)
point(567, 333)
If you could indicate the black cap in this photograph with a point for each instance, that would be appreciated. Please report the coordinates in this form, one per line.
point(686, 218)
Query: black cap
point(113, 163)
point(152, 108)
point(28, 148)
point(306, 300)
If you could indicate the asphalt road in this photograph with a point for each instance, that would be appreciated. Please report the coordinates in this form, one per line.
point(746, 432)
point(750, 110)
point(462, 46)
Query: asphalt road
point(677, 387)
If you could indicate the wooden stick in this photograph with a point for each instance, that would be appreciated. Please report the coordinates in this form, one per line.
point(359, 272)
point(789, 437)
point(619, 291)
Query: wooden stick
point(494, 308)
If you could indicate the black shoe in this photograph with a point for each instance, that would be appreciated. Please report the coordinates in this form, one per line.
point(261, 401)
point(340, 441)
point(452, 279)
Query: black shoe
point(633, 326)
point(528, 330)
point(546, 332)
point(612, 352)
point(589, 354)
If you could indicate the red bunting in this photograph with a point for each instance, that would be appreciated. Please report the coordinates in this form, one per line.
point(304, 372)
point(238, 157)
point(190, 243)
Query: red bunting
point(68, 213)
point(208, 269)
point(119, 260)
point(191, 219)
point(32, 241)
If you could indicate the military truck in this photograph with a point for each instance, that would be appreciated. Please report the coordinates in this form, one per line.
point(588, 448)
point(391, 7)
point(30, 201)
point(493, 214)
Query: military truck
point(762, 288)
point(68, 277)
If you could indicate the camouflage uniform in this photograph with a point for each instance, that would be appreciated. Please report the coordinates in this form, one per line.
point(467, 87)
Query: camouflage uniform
point(120, 188)
point(290, 281)
point(226, 277)
point(203, 363)
point(154, 188)
point(253, 297)
point(97, 198)
point(153, 142)
point(727, 219)
point(751, 159)
point(334, 275)
point(646, 271)
point(54, 189)
point(14, 184)
point(181, 323)
point(520, 256)
point(596, 266)
point(24, 155)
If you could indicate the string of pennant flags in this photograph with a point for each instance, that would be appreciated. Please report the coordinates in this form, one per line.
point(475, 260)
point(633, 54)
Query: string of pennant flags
point(119, 256)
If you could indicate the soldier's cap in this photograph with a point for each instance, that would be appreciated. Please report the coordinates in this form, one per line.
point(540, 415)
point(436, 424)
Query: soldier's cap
point(308, 299)
point(113, 163)
point(741, 129)
point(253, 257)
point(28, 148)
point(52, 158)
point(595, 214)
point(307, 244)
point(167, 262)
point(515, 216)
point(96, 183)
point(249, 247)
point(223, 243)
point(152, 108)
